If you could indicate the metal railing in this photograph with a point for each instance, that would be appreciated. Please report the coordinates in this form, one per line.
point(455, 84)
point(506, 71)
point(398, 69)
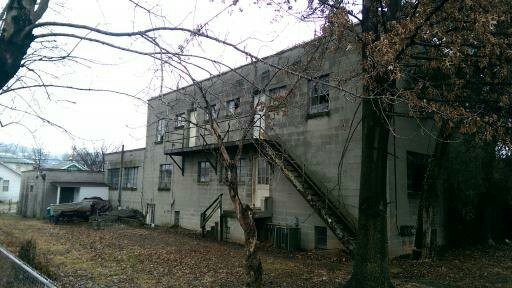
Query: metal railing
point(208, 213)
point(199, 134)
point(16, 274)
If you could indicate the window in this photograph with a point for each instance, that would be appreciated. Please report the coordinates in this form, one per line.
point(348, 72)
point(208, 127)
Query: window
point(417, 164)
point(244, 171)
point(180, 120)
point(215, 111)
point(5, 187)
point(319, 95)
point(113, 178)
point(203, 173)
point(233, 106)
point(263, 171)
point(161, 128)
point(31, 188)
point(320, 237)
point(130, 177)
point(164, 181)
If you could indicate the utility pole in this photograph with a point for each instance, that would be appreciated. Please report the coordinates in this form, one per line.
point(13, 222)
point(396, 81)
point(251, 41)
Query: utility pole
point(119, 187)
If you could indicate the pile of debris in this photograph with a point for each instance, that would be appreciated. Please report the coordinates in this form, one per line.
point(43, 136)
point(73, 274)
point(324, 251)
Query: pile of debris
point(126, 216)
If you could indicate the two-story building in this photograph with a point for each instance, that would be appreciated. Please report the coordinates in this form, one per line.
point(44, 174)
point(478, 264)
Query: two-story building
point(296, 115)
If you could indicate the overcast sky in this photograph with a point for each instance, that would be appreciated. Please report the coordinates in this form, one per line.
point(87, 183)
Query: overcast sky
point(100, 117)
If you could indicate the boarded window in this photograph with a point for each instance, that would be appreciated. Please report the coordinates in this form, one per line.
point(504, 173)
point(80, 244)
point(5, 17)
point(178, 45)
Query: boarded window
point(203, 172)
point(320, 237)
point(263, 171)
point(164, 180)
point(319, 94)
point(130, 177)
point(5, 186)
point(113, 177)
point(417, 164)
point(161, 128)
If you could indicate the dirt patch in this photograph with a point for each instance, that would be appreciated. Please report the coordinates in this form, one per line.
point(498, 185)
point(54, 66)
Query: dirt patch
point(119, 256)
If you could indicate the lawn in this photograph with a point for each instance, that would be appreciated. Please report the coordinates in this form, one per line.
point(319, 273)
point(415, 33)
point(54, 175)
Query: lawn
point(76, 255)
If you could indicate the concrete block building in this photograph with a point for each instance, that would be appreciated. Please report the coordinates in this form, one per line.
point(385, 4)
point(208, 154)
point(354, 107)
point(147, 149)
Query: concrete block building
point(301, 159)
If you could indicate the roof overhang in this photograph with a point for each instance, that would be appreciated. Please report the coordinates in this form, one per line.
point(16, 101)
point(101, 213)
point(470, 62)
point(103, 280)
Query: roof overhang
point(79, 184)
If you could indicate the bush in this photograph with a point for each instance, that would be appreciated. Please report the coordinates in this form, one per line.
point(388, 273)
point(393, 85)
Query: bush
point(28, 252)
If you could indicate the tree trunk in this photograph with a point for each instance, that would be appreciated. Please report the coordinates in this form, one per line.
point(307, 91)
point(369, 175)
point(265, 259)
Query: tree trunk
point(14, 38)
point(371, 253)
point(432, 187)
point(253, 267)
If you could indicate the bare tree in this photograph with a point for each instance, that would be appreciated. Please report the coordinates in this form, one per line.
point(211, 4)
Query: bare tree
point(92, 159)
point(39, 157)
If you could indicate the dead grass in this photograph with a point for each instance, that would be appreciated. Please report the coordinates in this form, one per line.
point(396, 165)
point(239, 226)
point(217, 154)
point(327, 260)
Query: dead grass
point(79, 256)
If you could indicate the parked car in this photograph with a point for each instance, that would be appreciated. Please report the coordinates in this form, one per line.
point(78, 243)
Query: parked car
point(77, 210)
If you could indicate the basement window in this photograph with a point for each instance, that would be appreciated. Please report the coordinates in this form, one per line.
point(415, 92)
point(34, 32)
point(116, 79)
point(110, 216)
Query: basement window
point(319, 95)
point(320, 237)
point(203, 172)
point(417, 164)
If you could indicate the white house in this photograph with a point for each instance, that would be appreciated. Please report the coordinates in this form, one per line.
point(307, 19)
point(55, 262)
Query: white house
point(9, 183)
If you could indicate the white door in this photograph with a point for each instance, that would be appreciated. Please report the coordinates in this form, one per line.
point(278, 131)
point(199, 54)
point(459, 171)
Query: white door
point(259, 117)
point(192, 131)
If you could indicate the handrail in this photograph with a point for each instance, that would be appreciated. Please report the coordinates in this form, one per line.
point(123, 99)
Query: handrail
point(206, 215)
point(335, 208)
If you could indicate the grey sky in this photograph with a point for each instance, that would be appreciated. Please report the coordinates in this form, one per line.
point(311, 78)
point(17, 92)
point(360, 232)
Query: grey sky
point(94, 118)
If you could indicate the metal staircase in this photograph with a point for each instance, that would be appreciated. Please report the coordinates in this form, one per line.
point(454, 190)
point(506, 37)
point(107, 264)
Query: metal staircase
point(337, 218)
point(208, 213)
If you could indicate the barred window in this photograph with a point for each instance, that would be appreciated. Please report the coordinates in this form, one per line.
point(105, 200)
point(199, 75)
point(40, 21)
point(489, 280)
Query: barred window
point(203, 172)
point(130, 177)
point(263, 171)
point(319, 94)
point(113, 177)
point(164, 180)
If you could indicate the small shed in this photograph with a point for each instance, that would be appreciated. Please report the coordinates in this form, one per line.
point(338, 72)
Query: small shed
point(40, 188)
